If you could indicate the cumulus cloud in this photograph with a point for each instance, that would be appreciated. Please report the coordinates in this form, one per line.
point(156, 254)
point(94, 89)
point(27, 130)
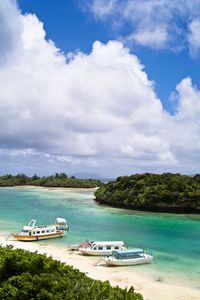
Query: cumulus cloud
point(11, 27)
point(96, 112)
point(151, 23)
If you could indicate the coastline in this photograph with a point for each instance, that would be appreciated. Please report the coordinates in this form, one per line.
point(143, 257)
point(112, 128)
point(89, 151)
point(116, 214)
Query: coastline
point(51, 189)
point(154, 209)
point(121, 276)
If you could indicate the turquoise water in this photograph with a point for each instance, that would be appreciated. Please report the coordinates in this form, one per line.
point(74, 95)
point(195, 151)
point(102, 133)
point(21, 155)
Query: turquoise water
point(173, 239)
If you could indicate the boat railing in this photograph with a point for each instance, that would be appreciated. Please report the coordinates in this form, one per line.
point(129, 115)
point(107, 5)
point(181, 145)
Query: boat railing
point(102, 258)
point(32, 223)
point(148, 252)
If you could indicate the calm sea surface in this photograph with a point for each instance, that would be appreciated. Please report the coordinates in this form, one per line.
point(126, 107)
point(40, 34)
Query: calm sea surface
point(173, 239)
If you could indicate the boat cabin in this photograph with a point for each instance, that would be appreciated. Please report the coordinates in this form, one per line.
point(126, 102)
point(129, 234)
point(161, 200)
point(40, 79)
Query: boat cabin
point(102, 248)
point(31, 229)
point(115, 245)
point(61, 224)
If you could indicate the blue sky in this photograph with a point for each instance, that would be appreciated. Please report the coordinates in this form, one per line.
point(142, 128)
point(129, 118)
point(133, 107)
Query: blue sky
point(100, 87)
point(71, 27)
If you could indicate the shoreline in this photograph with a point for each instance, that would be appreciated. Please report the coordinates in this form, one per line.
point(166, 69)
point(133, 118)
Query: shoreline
point(51, 189)
point(152, 209)
point(121, 276)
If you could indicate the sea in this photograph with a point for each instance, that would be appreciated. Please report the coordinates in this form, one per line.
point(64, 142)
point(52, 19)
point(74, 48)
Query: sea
point(174, 240)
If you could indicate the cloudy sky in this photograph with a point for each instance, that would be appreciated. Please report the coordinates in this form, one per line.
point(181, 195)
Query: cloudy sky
point(103, 87)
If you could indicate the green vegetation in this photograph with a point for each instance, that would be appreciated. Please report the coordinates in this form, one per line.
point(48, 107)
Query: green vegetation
point(57, 180)
point(30, 276)
point(153, 192)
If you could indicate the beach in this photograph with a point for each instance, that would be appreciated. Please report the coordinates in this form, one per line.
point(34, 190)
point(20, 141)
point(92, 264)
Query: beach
point(121, 276)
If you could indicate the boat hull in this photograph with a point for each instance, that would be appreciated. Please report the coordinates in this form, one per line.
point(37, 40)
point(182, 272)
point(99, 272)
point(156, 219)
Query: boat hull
point(32, 238)
point(129, 262)
point(95, 252)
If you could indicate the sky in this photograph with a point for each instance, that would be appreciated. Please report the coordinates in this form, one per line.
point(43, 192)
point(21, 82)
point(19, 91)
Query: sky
point(99, 88)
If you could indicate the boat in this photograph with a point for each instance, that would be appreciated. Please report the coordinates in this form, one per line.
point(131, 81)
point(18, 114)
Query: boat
point(128, 257)
point(31, 232)
point(101, 247)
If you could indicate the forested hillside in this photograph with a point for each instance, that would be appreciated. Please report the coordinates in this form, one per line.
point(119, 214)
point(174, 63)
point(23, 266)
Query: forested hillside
point(57, 180)
point(153, 192)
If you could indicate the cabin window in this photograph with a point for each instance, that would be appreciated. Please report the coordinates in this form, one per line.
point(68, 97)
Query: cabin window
point(24, 230)
point(43, 231)
point(100, 248)
point(38, 232)
point(48, 231)
point(116, 248)
point(52, 230)
point(33, 232)
point(108, 248)
point(29, 232)
point(95, 248)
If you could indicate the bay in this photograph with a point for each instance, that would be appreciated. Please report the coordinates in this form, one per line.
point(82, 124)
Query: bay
point(173, 239)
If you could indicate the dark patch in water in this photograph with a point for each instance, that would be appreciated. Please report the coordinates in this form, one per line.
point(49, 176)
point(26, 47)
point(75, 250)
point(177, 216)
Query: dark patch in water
point(169, 258)
point(159, 279)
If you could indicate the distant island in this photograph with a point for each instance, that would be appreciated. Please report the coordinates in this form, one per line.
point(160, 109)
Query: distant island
point(165, 192)
point(61, 180)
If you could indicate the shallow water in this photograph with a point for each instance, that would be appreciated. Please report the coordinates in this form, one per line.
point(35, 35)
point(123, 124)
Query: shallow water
point(173, 239)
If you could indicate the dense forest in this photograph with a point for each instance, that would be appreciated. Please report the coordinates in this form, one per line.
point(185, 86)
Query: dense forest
point(57, 180)
point(32, 276)
point(153, 192)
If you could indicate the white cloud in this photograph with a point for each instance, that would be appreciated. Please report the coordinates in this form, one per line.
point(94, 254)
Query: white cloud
point(194, 37)
point(96, 112)
point(10, 30)
point(103, 8)
point(155, 38)
point(153, 23)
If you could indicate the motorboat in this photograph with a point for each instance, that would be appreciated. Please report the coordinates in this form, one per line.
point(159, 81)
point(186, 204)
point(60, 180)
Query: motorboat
point(128, 257)
point(31, 232)
point(101, 248)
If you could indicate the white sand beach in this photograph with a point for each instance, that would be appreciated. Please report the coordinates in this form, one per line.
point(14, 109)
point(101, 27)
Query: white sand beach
point(52, 189)
point(121, 276)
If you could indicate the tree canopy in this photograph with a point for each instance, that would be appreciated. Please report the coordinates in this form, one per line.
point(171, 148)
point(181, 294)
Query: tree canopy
point(165, 192)
point(57, 180)
point(31, 276)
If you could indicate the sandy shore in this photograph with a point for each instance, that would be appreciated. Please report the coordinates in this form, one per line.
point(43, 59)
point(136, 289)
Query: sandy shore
point(52, 189)
point(123, 277)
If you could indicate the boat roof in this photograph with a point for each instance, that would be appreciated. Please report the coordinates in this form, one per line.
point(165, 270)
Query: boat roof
point(42, 227)
point(128, 251)
point(61, 220)
point(108, 243)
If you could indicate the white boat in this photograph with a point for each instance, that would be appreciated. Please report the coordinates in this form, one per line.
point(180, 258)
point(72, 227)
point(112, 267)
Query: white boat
point(128, 257)
point(31, 232)
point(102, 248)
